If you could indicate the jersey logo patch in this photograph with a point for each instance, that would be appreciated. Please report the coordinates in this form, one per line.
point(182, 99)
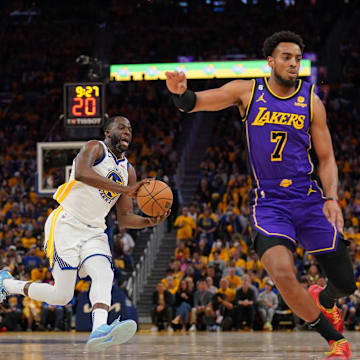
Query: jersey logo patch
point(261, 98)
point(285, 183)
point(300, 102)
point(110, 195)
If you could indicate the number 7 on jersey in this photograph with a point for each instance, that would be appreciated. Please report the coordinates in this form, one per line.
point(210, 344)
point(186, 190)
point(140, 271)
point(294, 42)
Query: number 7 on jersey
point(280, 138)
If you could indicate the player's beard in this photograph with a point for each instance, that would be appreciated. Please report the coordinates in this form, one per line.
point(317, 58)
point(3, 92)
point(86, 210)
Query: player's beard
point(115, 143)
point(284, 82)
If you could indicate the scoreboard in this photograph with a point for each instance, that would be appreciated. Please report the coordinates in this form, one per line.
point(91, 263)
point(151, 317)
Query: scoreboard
point(84, 104)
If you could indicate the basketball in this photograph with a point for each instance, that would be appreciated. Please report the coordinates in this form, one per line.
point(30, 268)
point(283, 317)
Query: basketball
point(154, 198)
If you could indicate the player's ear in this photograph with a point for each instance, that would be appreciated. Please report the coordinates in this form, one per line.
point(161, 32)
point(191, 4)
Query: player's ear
point(270, 61)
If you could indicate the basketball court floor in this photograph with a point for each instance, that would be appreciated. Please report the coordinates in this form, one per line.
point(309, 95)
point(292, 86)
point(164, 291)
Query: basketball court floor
point(177, 346)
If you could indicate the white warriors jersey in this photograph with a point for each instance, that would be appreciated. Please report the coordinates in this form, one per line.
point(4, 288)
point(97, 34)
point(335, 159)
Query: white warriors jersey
point(86, 203)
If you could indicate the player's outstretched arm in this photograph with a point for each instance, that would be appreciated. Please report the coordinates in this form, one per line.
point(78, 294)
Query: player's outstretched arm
point(88, 155)
point(125, 213)
point(236, 92)
point(328, 171)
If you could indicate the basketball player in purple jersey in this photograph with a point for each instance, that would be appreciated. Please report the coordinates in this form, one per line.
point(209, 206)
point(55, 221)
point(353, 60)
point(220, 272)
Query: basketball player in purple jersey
point(280, 116)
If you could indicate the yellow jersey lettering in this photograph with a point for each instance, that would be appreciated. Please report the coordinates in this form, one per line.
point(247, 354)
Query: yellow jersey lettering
point(265, 116)
point(283, 118)
point(293, 118)
point(275, 117)
point(257, 121)
point(299, 122)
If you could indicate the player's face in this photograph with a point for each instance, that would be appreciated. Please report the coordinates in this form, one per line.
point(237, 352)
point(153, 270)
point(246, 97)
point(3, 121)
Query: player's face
point(285, 63)
point(120, 134)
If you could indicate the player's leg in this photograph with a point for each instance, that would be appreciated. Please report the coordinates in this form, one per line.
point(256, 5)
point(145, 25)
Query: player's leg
point(98, 267)
point(58, 294)
point(276, 254)
point(102, 276)
point(338, 269)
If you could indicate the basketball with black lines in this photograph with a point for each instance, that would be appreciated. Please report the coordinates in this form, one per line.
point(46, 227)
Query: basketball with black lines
point(154, 198)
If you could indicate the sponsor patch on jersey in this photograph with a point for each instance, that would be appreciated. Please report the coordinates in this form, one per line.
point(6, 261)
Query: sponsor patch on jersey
point(300, 102)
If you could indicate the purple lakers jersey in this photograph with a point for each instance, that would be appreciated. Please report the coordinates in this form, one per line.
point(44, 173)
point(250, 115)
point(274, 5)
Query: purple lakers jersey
point(277, 131)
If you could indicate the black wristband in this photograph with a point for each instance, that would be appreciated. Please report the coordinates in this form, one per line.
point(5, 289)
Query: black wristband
point(330, 198)
point(186, 101)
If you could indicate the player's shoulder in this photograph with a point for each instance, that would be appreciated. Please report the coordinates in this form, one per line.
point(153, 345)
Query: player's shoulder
point(93, 144)
point(241, 84)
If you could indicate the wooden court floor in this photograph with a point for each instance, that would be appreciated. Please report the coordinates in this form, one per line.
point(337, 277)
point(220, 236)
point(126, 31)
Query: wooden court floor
point(177, 346)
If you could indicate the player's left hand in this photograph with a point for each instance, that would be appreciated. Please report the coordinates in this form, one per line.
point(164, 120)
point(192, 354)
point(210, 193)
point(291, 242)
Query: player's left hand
point(158, 219)
point(334, 215)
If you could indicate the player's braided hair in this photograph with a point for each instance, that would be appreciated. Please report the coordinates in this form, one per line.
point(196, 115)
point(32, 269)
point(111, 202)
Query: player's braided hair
point(282, 36)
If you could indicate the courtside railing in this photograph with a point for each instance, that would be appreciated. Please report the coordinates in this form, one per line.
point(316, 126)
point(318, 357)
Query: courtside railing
point(143, 268)
point(188, 151)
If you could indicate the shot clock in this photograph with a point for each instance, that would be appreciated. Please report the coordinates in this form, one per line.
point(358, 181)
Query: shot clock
point(84, 104)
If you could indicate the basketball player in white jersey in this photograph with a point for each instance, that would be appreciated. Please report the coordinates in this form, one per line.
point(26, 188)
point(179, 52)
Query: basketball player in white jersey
point(75, 241)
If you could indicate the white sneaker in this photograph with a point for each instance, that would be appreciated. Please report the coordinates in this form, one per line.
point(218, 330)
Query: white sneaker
point(192, 328)
point(154, 329)
point(170, 329)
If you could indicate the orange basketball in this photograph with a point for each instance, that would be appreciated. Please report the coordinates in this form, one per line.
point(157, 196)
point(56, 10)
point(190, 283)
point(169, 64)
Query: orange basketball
point(154, 198)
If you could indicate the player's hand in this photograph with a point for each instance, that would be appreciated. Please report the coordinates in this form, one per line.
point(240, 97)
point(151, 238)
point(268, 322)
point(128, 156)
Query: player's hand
point(176, 82)
point(131, 190)
point(334, 215)
point(158, 219)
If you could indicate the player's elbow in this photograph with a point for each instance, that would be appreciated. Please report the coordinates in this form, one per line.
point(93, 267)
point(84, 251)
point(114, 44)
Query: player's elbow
point(80, 173)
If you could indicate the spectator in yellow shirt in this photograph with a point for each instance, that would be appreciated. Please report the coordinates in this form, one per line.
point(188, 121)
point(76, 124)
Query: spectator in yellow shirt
point(171, 285)
point(234, 280)
point(185, 225)
point(28, 240)
point(182, 252)
point(253, 262)
point(39, 273)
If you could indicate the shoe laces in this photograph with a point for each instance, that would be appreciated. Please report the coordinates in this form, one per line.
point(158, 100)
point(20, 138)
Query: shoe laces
point(335, 314)
point(337, 348)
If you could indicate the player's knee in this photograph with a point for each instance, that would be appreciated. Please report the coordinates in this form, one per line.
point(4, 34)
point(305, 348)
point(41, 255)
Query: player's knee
point(63, 299)
point(346, 289)
point(343, 288)
point(284, 278)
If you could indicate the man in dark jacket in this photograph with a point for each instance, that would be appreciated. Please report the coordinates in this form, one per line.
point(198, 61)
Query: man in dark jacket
point(162, 301)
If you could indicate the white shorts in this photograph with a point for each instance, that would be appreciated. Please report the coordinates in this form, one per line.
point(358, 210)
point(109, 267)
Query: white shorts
point(69, 242)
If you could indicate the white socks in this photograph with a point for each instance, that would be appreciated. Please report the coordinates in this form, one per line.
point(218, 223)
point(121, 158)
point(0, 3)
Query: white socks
point(14, 286)
point(99, 317)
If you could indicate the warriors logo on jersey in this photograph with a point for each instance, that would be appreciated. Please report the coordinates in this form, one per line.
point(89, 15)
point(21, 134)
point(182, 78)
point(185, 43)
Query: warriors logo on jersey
point(110, 195)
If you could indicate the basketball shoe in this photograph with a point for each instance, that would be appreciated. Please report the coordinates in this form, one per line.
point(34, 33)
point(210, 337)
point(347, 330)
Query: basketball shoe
point(3, 293)
point(106, 335)
point(333, 315)
point(339, 350)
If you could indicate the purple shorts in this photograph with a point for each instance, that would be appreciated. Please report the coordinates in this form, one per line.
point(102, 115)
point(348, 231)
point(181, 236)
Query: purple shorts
point(293, 209)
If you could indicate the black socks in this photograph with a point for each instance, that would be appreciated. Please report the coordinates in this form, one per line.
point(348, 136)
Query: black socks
point(325, 329)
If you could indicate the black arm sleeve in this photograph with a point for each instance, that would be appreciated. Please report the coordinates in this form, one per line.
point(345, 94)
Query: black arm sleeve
point(186, 101)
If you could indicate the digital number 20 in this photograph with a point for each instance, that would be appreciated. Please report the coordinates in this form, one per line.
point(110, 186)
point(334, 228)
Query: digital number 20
point(280, 138)
point(88, 104)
